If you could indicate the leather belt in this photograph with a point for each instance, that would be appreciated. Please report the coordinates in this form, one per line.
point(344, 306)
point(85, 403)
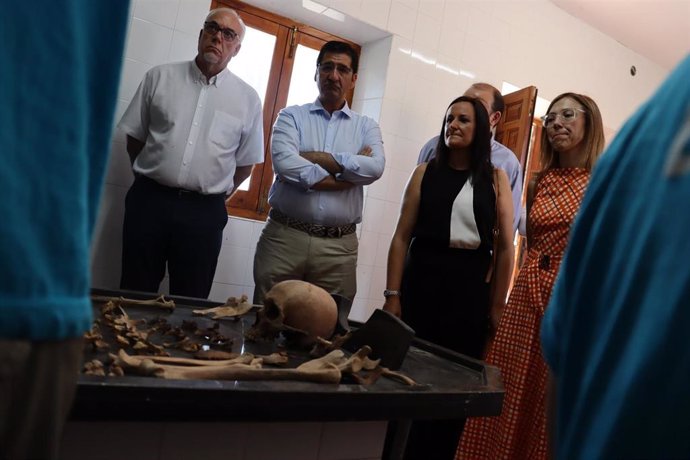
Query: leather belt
point(322, 231)
point(181, 192)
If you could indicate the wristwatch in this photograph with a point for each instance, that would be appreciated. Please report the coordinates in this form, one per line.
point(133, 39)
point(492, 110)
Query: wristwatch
point(389, 293)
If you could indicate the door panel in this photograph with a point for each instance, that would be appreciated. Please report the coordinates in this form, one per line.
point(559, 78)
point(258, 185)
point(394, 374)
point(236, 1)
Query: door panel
point(514, 129)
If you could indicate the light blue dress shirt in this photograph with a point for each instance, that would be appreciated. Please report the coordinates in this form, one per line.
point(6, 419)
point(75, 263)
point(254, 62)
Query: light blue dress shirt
point(310, 128)
point(502, 158)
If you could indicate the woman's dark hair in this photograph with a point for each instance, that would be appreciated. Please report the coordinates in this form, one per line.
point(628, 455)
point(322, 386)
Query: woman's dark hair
point(480, 148)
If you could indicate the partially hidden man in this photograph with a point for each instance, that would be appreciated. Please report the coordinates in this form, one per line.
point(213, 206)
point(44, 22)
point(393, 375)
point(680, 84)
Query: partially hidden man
point(323, 155)
point(194, 131)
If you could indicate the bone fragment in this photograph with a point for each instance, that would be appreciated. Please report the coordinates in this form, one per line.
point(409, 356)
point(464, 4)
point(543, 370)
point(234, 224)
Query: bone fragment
point(160, 301)
point(399, 376)
point(233, 372)
point(231, 309)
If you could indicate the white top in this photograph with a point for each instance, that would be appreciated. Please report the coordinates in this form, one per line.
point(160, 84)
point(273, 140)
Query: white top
point(464, 233)
point(195, 132)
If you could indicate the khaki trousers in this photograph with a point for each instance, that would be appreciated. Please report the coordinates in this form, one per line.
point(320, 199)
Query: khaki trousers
point(284, 253)
point(37, 386)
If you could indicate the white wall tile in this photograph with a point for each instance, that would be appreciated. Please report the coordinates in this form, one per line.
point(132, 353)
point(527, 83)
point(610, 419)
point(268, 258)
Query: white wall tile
point(132, 73)
point(369, 107)
point(364, 278)
point(401, 20)
point(373, 214)
point(191, 15)
point(148, 42)
point(239, 232)
point(367, 248)
point(433, 8)
point(398, 180)
point(232, 263)
point(184, 46)
point(360, 310)
point(376, 12)
point(161, 12)
point(383, 245)
point(413, 4)
point(477, 20)
point(348, 7)
point(427, 31)
point(377, 285)
point(379, 188)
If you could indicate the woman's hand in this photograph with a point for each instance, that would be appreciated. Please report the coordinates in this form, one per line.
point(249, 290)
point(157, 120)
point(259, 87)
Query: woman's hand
point(392, 305)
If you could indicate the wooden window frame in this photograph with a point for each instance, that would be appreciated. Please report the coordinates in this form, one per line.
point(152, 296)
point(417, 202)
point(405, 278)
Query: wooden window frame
point(253, 203)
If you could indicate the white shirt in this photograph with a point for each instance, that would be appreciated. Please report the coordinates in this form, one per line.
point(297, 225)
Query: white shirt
point(195, 132)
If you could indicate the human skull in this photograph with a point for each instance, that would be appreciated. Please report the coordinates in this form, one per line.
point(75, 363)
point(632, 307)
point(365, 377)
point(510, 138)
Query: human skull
point(296, 306)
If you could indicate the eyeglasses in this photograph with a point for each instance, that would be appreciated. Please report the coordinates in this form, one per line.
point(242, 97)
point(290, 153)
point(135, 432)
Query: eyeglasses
point(329, 67)
point(212, 28)
point(566, 116)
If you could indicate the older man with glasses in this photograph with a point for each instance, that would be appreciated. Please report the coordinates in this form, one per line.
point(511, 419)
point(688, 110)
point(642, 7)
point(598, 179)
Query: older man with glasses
point(194, 131)
point(323, 155)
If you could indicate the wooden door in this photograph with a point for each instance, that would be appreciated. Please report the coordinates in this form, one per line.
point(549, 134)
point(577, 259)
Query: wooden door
point(514, 128)
point(515, 132)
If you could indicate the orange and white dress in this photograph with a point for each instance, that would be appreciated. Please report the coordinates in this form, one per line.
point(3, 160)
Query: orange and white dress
point(520, 431)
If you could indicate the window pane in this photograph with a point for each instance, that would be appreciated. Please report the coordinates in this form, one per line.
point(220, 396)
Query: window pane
point(302, 85)
point(253, 65)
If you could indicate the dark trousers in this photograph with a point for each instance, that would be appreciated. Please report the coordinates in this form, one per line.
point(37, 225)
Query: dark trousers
point(167, 225)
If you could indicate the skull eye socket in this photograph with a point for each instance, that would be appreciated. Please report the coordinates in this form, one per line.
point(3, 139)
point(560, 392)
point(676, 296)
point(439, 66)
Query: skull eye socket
point(271, 310)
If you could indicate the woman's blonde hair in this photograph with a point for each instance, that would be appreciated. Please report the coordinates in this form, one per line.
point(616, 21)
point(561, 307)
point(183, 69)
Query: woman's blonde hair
point(593, 139)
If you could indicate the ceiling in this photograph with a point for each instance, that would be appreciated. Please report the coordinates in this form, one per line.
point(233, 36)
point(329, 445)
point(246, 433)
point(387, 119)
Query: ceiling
point(656, 29)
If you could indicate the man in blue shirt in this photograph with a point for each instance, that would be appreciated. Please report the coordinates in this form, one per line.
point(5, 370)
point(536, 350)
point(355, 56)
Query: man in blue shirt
point(615, 333)
point(58, 88)
point(501, 156)
point(323, 155)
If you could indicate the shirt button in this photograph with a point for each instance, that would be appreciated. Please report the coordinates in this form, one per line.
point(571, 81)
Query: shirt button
point(190, 142)
point(196, 123)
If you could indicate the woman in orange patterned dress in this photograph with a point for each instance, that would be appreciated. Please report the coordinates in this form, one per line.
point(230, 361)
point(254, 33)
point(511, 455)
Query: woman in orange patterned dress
point(572, 140)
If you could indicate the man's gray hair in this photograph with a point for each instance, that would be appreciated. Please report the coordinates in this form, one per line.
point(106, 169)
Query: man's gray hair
point(232, 12)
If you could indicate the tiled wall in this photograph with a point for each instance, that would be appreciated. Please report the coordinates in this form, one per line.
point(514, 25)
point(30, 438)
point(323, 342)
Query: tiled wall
point(435, 49)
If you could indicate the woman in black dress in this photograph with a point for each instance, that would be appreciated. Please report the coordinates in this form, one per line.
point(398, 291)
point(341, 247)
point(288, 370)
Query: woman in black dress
point(441, 277)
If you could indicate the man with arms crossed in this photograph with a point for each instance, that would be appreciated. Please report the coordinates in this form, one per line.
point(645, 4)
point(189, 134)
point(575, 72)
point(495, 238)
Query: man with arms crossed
point(323, 154)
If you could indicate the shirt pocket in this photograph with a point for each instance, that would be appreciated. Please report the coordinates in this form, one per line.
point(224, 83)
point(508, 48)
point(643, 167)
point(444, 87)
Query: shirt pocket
point(225, 131)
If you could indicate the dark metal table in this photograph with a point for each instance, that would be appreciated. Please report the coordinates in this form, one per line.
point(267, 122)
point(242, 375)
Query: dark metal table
point(453, 386)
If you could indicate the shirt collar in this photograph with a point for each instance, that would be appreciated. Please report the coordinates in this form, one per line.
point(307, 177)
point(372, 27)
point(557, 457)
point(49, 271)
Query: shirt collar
point(318, 107)
point(199, 77)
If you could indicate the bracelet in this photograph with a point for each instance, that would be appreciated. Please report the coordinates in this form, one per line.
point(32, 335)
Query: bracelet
point(390, 293)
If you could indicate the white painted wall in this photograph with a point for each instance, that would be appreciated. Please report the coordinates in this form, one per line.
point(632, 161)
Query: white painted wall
point(403, 84)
